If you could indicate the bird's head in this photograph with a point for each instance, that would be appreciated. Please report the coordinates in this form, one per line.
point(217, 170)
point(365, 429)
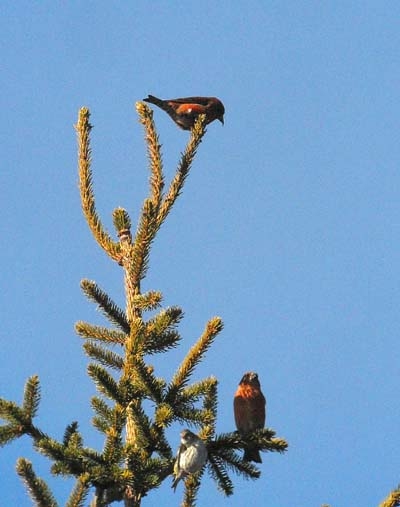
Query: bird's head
point(188, 437)
point(250, 378)
point(218, 109)
point(220, 112)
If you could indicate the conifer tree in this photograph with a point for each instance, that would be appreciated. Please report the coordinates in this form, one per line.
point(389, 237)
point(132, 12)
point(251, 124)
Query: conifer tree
point(136, 456)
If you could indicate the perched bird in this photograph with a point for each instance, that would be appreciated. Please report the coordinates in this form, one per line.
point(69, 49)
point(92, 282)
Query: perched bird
point(185, 111)
point(249, 409)
point(191, 456)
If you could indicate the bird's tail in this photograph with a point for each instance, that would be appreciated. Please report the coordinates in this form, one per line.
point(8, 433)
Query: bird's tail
point(252, 454)
point(154, 100)
point(175, 482)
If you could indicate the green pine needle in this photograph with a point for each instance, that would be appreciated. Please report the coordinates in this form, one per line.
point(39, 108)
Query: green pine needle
point(194, 392)
point(182, 172)
point(104, 356)
point(102, 237)
point(142, 425)
point(9, 432)
point(193, 357)
point(106, 305)
point(191, 415)
point(153, 152)
point(164, 415)
point(220, 475)
point(31, 397)
point(37, 488)
point(160, 331)
point(122, 222)
point(11, 412)
point(113, 447)
point(100, 333)
point(105, 383)
point(79, 493)
point(235, 463)
point(393, 500)
point(146, 230)
point(145, 381)
point(148, 301)
point(192, 486)
point(157, 344)
point(102, 409)
point(70, 430)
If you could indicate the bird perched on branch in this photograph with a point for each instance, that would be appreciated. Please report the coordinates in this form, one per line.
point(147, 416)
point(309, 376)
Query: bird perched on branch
point(249, 409)
point(191, 456)
point(185, 111)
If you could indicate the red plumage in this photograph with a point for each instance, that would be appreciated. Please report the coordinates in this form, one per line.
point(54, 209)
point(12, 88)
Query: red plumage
point(186, 110)
point(249, 410)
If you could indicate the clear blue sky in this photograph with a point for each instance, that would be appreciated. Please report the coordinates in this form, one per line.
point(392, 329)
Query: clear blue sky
point(288, 227)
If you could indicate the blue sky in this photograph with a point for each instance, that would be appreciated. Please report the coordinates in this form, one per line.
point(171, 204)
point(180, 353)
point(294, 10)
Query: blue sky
point(288, 227)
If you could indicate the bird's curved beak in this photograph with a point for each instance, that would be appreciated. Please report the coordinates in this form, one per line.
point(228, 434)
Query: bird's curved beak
point(221, 119)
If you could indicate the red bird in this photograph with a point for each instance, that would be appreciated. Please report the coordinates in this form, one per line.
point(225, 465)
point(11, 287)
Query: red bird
point(249, 409)
point(185, 111)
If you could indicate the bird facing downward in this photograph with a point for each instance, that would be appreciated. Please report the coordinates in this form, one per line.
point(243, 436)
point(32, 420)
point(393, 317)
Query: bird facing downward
point(191, 456)
point(185, 111)
point(249, 409)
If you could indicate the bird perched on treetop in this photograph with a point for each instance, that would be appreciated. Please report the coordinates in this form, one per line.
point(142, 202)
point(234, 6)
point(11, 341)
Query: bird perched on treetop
point(249, 409)
point(191, 456)
point(185, 111)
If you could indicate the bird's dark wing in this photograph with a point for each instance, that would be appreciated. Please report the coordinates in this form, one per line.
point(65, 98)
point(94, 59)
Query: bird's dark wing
point(240, 412)
point(203, 101)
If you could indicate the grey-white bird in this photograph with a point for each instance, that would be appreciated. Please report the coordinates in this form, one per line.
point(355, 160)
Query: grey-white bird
point(191, 456)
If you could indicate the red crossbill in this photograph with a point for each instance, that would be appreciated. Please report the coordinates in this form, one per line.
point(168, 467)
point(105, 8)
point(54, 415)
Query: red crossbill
point(185, 111)
point(249, 409)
